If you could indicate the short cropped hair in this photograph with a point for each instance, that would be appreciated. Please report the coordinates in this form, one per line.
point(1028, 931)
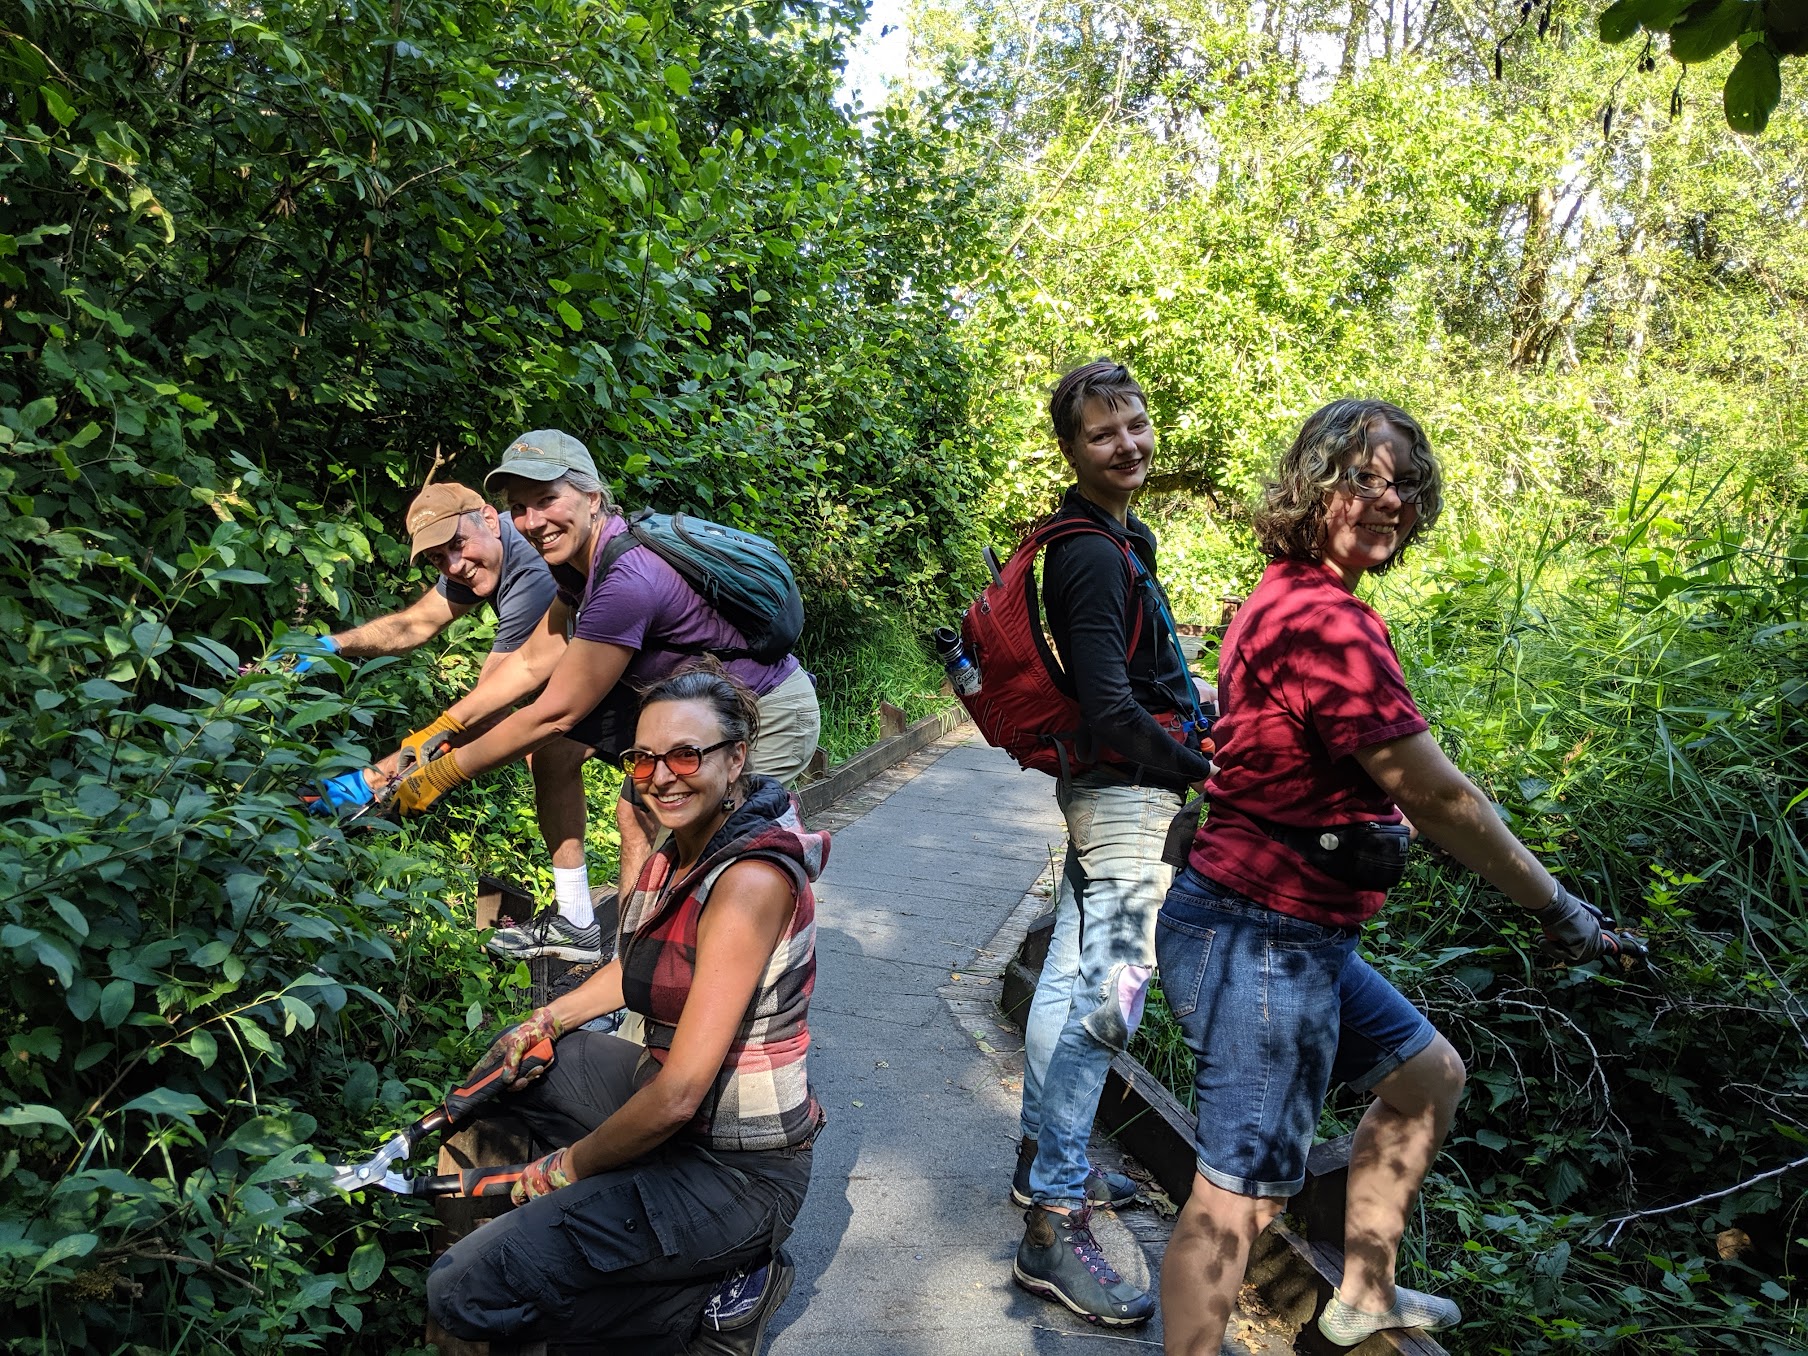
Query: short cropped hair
point(1289, 520)
point(1101, 379)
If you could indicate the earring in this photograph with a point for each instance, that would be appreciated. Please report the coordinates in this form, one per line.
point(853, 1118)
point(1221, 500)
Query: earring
point(728, 804)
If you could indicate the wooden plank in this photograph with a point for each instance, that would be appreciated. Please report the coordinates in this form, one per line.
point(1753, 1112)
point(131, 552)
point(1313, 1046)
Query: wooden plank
point(496, 897)
point(1295, 1278)
point(1319, 1207)
point(891, 720)
point(876, 758)
point(1021, 974)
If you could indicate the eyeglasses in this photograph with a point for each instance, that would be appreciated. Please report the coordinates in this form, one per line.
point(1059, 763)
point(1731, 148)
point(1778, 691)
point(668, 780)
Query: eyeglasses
point(683, 759)
point(1366, 484)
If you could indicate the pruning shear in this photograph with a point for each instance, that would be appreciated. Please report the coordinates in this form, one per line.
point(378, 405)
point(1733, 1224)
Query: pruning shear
point(1626, 949)
point(407, 761)
point(379, 1169)
point(498, 1181)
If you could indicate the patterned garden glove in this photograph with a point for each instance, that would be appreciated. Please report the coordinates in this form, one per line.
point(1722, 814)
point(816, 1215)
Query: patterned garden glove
point(427, 783)
point(506, 1050)
point(1573, 928)
point(539, 1177)
point(443, 723)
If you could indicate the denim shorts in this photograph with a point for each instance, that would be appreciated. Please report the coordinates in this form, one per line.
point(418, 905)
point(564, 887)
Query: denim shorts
point(1273, 1008)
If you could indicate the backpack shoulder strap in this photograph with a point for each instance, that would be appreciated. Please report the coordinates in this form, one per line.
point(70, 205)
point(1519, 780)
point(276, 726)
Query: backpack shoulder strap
point(1051, 530)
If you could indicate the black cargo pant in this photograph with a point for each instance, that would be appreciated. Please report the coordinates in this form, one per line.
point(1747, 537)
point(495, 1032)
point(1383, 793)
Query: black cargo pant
point(632, 1253)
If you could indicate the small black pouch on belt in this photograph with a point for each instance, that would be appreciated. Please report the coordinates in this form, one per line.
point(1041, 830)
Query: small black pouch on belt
point(1179, 841)
point(1368, 856)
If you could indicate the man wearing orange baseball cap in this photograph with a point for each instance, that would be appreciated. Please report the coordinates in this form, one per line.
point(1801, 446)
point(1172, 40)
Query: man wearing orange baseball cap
point(482, 560)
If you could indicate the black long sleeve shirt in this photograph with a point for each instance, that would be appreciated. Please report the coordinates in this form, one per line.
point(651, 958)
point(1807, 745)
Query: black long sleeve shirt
point(1087, 591)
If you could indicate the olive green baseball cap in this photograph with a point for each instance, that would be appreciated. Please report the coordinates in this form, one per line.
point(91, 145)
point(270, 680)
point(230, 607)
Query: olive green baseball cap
point(544, 454)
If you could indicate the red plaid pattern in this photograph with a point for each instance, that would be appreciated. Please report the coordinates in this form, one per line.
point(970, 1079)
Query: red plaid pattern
point(761, 1098)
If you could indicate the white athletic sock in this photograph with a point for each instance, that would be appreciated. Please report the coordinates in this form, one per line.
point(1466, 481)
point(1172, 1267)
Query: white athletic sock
point(571, 887)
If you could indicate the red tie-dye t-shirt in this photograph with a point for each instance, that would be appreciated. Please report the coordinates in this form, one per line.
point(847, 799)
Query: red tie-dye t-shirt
point(1306, 676)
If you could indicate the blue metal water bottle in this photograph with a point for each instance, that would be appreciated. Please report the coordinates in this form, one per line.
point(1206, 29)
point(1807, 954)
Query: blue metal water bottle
point(963, 673)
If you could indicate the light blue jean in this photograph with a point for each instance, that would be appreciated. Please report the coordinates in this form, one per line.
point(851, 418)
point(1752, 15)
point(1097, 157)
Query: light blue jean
point(1089, 999)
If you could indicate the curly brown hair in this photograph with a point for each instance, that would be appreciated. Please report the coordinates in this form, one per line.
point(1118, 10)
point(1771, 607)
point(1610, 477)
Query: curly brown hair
point(1289, 520)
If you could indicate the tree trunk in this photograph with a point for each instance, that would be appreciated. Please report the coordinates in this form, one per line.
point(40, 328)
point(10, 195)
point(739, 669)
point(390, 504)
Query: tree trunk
point(1352, 38)
point(1529, 329)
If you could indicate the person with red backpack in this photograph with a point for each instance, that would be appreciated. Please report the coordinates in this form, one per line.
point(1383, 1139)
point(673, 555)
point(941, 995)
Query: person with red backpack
point(1123, 774)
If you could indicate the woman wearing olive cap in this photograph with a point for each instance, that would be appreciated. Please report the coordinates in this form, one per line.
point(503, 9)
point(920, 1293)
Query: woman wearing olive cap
point(628, 628)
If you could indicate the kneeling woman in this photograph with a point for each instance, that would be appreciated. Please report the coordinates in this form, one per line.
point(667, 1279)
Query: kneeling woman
point(1319, 749)
point(677, 1163)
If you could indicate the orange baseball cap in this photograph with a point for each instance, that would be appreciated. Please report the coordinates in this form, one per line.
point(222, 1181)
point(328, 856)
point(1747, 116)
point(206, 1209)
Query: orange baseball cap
point(433, 516)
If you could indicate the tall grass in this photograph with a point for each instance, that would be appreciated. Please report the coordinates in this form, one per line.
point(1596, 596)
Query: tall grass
point(1637, 704)
point(863, 661)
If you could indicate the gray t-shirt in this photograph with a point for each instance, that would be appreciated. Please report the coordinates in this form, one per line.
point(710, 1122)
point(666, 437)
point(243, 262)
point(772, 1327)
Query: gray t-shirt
point(523, 592)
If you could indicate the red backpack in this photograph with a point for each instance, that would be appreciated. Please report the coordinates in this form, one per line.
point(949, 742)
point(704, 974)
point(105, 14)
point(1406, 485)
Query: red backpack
point(1025, 704)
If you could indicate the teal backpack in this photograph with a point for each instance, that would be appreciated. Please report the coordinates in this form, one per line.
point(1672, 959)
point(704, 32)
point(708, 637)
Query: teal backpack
point(740, 575)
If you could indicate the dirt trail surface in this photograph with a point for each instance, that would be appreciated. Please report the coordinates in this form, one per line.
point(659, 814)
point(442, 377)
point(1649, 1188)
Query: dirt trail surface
point(905, 1243)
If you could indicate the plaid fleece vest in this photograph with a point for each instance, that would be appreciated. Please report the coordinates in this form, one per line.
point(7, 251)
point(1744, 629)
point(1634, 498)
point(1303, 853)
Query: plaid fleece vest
point(761, 1099)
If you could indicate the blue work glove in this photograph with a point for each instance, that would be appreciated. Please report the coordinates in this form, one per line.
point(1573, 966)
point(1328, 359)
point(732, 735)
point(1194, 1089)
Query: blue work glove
point(304, 662)
point(347, 790)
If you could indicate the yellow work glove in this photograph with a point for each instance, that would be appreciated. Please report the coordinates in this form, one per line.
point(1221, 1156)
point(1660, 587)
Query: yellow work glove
point(427, 783)
point(444, 723)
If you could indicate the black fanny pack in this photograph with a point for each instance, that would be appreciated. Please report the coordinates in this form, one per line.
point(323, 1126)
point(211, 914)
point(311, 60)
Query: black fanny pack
point(1368, 856)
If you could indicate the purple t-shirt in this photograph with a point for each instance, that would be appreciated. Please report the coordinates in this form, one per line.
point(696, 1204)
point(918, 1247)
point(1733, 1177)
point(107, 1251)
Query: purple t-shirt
point(644, 605)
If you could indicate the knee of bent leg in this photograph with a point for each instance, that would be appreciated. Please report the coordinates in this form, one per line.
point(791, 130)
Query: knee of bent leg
point(1431, 1080)
point(1438, 1076)
point(449, 1300)
point(1120, 1008)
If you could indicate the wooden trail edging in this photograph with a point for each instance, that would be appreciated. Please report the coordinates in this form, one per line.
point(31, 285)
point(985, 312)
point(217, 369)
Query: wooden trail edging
point(1295, 1269)
point(845, 777)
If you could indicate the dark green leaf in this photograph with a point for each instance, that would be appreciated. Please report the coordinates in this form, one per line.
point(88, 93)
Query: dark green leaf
point(366, 1266)
point(35, 1115)
point(116, 1002)
point(1708, 28)
point(1753, 90)
point(181, 1106)
point(1619, 21)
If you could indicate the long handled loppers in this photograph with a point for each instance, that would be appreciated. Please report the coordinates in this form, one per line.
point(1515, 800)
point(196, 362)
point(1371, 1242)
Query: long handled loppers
point(380, 1170)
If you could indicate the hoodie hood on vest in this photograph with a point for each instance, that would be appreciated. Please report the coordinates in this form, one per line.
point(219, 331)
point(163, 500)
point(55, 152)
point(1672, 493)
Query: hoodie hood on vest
point(769, 822)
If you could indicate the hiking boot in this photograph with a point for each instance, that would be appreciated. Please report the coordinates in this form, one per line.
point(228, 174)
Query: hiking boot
point(549, 933)
point(1059, 1259)
point(1111, 1189)
point(736, 1314)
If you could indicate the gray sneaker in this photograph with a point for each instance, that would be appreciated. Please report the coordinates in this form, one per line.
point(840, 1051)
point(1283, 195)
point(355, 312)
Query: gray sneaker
point(549, 933)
